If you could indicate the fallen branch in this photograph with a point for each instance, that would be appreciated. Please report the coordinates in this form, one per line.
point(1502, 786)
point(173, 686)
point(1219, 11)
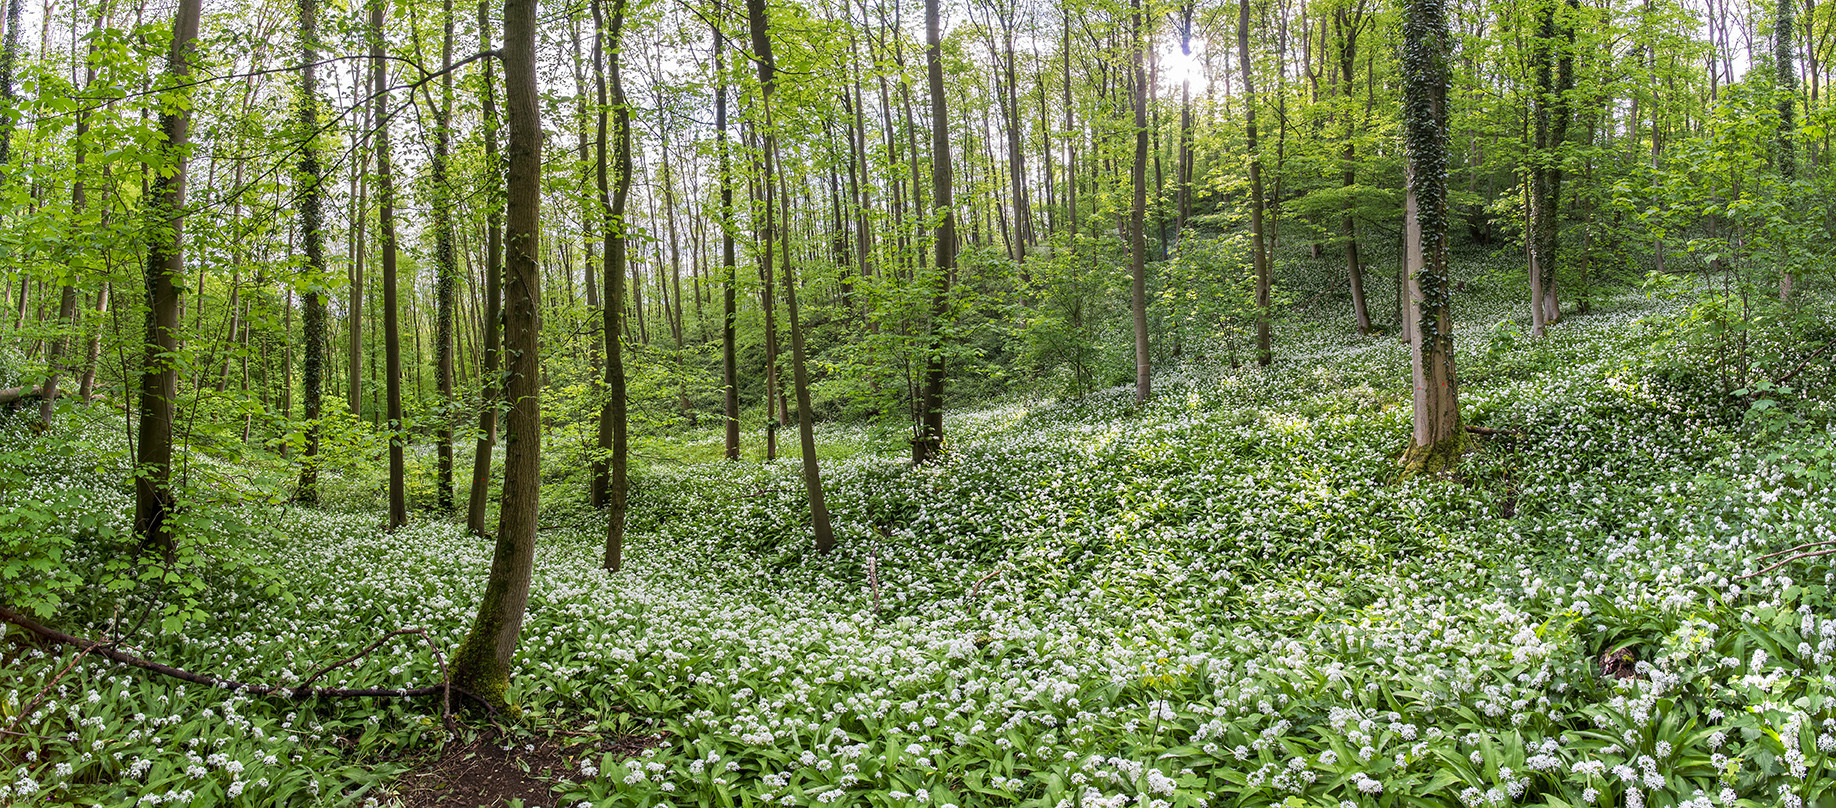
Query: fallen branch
point(1795, 549)
point(445, 688)
point(1797, 557)
point(1804, 364)
point(976, 591)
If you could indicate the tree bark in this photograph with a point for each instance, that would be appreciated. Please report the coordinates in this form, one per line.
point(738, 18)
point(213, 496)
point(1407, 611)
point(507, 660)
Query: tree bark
point(1259, 253)
point(445, 270)
point(165, 264)
point(812, 475)
point(493, 295)
point(1138, 214)
point(312, 243)
point(929, 443)
point(613, 415)
point(392, 343)
point(729, 363)
point(481, 666)
point(1438, 438)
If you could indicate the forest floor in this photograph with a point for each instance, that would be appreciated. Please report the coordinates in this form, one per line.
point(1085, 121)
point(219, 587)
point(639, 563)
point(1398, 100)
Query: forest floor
point(1224, 597)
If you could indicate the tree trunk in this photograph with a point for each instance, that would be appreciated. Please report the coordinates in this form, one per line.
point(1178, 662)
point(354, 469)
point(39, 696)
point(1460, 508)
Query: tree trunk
point(445, 271)
point(812, 475)
point(482, 663)
point(1138, 215)
point(9, 95)
point(613, 415)
point(493, 295)
point(1259, 254)
point(312, 242)
point(1349, 25)
point(1784, 156)
point(1438, 437)
point(86, 389)
point(360, 214)
point(729, 361)
point(392, 343)
point(929, 443)
point(165, 264)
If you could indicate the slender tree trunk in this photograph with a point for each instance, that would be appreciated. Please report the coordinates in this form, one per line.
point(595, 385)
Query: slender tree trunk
point(445, 271)
point(79, 202)
point(1259, 254)
point(86, 389)
point(481, 665)
point(729, 361)
point(165, 265)
point(1438, 435)
point(1138, 215)
point(1349, 25)
point(312, 242)
point(392, 342)
point(360, 214)
point(9, 95)
point(493, 295)
point(812, 475)
point(613, 416)
point(1185, 117)
point(1784, 156)
point(929, 443)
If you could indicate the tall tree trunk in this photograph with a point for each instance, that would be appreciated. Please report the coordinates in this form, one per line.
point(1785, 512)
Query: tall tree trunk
point(392, 342)
point(445, 270)
point(493, 294)
point(165, 264)
point(929, 443)
point(312, 243)
point(1185, 116)
point(812, 475)
point(1138, 214)
point(1259, 253)
point(360, 214)
point(55, 358)
point(481, 665)
point(612, 415)
point(9, 95)
point(1349, 24)
point(1438, 436)
point(1784, 156)
point(729, 364)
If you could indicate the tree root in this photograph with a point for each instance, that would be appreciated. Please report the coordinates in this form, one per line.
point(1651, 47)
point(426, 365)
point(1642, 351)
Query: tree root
point(301, 691)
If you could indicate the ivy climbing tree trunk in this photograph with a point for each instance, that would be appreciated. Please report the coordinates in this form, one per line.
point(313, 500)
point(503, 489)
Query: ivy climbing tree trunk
point(613, 414)
point(1552, 62)
point(1786, 76)
point(385, 211)
point(481, 665)
point(445, 269)
point(493, 292)
point(165, 265)
point(1438, 438)
point(312, 245)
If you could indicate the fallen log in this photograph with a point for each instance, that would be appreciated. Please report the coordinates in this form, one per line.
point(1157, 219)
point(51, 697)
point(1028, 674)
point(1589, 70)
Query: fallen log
point(301, 691)
point(1485, 430)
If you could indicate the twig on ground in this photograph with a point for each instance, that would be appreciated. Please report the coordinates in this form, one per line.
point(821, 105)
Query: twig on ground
point(1797, 557)
point(1486, 430)
point(445, 687)
point(976, 591)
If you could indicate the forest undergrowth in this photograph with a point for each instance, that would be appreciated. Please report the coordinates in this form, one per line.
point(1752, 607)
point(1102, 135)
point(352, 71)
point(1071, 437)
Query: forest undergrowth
point(1224, 597)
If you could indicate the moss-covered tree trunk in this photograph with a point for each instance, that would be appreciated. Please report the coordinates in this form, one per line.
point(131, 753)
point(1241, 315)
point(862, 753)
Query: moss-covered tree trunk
point(1137, 217)
point(493, 295)
point(392, 341)
point(482, 664)
point(1438, 437)
point(613, 416)
point(445, 270)
point(312, 245)
point(165, 263)
point(729, 364)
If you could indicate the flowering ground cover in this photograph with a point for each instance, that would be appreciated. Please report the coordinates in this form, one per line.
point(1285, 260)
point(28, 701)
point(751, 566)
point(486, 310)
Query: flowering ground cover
point(1225, 597)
